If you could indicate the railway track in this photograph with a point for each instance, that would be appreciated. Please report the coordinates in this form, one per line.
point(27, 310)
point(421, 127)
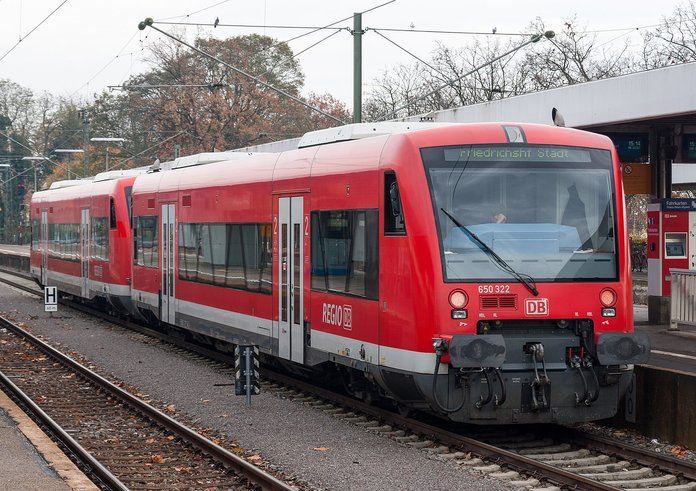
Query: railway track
point(122, 441)
point(556, 458)
point(548, 458)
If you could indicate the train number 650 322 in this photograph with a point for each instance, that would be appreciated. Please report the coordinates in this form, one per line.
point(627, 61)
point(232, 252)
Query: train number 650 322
point(493, 289)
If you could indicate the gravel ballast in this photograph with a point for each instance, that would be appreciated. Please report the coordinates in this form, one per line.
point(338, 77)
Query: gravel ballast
point(306, 444)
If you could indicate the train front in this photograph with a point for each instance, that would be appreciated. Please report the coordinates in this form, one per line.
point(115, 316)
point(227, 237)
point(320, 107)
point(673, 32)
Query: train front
point(535, 320)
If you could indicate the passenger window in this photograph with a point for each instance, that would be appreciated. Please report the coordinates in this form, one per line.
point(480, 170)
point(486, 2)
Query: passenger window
point(233, 255)
point(145, 236)
point(129, 203)
point(100, 239)
point(112, 214)
point(345, 256)
point(394, 223)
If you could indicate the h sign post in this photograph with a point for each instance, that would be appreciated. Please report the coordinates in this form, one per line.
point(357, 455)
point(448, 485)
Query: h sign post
point(51, 299)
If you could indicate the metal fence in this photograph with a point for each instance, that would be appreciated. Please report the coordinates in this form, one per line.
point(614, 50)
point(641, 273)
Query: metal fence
point(683, 298)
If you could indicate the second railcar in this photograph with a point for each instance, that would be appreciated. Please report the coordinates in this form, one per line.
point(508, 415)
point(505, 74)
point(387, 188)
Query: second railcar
point(81, 239)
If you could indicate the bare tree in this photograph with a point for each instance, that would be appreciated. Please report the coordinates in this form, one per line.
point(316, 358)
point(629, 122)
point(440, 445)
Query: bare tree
point(397, 88)
point(477, 72)
point(573, 56)
point(673, 41)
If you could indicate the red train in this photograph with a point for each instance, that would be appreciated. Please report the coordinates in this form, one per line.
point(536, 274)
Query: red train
point(81, 238)
point(476, 271)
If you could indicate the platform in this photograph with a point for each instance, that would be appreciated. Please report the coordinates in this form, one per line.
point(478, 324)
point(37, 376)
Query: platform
point(29, 460)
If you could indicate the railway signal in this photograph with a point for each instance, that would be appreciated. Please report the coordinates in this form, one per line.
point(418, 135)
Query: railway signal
point(246, 371)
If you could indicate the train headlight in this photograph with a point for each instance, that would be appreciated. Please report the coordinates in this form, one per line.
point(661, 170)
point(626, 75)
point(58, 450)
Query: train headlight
point(458, 299)
point(607, 297)
point(459, 314)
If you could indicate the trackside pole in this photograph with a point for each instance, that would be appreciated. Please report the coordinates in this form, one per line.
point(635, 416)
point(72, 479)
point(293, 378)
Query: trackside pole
point(246, 371)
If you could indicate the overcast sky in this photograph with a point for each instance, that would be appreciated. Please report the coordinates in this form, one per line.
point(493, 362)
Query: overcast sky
point(87, 45)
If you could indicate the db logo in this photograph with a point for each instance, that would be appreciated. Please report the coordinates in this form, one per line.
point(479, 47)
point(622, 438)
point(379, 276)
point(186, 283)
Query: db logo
point(536, 306)
point(347, 317)
point(337, 315)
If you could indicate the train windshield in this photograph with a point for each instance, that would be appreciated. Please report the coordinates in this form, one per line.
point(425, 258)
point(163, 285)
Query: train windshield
point(547, 211)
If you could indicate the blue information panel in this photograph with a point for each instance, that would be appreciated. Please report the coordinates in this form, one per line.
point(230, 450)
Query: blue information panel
point(678, 204)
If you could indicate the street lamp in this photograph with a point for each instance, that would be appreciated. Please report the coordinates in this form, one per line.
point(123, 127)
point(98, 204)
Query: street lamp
point(48, 159)
point(108, 140)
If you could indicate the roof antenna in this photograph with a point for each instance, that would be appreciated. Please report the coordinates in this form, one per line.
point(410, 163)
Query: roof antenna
point(557, 117)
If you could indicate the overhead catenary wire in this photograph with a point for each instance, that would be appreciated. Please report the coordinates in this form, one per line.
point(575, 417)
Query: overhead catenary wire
point(535, 38)
point(408, 52)
point(34, 152)
point(253, 26)
point(285, 61)
point(149, 23)
point(193, 13)
point(106, 65)
point(327, 26)
point(466, 33)
point(35, 28)
point(133, 156)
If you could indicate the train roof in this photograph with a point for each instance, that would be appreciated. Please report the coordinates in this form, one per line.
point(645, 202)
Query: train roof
point(199, 159)
point(66, 183)
point(355, 131)
point(358, 148)
point(358, 131)
point(118, 174)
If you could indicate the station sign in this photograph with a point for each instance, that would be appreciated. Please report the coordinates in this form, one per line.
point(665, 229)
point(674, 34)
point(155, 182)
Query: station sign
point(678, 204)
point(51, 299)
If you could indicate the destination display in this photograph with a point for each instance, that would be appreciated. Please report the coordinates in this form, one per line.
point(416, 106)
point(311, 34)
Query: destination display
point(507, 153)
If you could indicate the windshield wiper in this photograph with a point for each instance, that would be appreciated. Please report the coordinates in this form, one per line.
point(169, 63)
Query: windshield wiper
point(526, 280)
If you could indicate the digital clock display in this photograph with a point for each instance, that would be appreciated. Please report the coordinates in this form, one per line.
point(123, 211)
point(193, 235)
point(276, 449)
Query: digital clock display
point(689, 148)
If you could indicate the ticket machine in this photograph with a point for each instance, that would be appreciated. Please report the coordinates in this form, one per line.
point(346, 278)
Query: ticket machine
point(671, 244)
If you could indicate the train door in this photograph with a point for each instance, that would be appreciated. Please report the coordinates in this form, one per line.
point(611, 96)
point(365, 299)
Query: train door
point(84, 252)
point(168, 264)
point(43, 239)
point(290, 279)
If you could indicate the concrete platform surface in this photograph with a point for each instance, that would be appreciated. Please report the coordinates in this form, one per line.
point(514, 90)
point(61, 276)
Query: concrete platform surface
point(29, 460)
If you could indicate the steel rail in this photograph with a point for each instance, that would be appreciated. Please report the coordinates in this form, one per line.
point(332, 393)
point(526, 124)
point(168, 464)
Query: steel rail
point(19, 286)
point(526, 465)
point(642, 456)
point(94, 466)
point(250, 471)
point(600, 444)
